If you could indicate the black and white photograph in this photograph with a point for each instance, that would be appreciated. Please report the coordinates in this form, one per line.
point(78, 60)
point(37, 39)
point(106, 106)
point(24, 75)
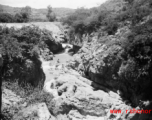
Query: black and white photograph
point(75, 59)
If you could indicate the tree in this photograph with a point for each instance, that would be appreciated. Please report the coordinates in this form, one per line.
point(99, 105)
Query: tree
point(50, 14)
point(6, 18)
point(18, 18)
point(1, 10)
point(27, 10)
point(26, 13)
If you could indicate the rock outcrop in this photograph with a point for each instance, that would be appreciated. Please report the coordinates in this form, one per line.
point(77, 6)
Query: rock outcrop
point(54, 46)
point(47, 54)
point(75, 97)
point(102, 61)
point(35, 112)
point(9, 98)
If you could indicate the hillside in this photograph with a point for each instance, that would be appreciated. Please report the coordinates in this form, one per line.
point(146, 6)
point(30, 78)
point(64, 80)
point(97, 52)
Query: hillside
point(112, 5)
point(38, 13)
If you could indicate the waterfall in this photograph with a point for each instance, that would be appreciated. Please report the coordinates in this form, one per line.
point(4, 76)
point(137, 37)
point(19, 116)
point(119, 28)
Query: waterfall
point(67, 47)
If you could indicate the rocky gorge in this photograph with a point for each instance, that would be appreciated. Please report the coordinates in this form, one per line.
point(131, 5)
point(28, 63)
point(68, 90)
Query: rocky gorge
point(83, 86)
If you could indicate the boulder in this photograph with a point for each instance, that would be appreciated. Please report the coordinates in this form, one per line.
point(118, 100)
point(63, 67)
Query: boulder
point(54, 46)
point(9, 98)
point(75, 94)
point(75, 115)
point(47, 54)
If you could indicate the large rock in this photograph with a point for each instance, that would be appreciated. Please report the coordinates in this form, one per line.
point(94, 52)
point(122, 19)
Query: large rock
point(75, 115)
point(101, 64)
point(54, 46)
point(9, 98)
point(75, 97)
point(75, 93)
point(47, 54)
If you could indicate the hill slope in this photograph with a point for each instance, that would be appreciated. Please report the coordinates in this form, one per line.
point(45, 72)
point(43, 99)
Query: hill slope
point(38, 13)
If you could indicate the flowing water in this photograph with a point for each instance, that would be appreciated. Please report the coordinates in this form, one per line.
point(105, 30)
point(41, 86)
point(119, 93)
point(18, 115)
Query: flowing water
point(59, 59)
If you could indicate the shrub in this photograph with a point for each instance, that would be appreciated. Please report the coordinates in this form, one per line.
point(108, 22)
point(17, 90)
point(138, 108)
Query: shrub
point(20, 50)
point(50, 14)
point(6, 18)
point(79, 27)
point(111, 26)
point(26, 13)
point(69, 20)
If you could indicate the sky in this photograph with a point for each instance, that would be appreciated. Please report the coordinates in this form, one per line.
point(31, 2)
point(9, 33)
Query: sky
point(54, 3)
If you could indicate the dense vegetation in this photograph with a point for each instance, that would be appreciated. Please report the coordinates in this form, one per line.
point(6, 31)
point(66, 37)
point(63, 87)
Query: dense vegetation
point(138, 56)
point(21, 71)
point(22, 16)
point(108, 17)
point(86, 21)
point(20, 49)
point(106, 22)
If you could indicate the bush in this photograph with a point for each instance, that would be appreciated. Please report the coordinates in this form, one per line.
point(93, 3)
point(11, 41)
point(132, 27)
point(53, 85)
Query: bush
point(79, 27)
point(50, 14)
point(6, 18)
point(92, 23)
point(111, 26)
point(20, 49)
point(21, 17)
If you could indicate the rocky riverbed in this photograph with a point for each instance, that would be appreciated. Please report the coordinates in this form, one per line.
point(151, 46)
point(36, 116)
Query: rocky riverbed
point(68, 94)
point(74, 98)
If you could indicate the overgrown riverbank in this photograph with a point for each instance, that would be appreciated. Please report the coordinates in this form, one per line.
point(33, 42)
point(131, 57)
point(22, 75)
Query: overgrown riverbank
point(21, 70)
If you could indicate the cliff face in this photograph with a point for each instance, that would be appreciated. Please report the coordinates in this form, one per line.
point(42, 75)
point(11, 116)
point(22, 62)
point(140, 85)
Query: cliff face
point(102, 61)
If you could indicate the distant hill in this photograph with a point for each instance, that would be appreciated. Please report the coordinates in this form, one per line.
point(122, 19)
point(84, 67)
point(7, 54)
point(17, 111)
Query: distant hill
point(38, 14)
